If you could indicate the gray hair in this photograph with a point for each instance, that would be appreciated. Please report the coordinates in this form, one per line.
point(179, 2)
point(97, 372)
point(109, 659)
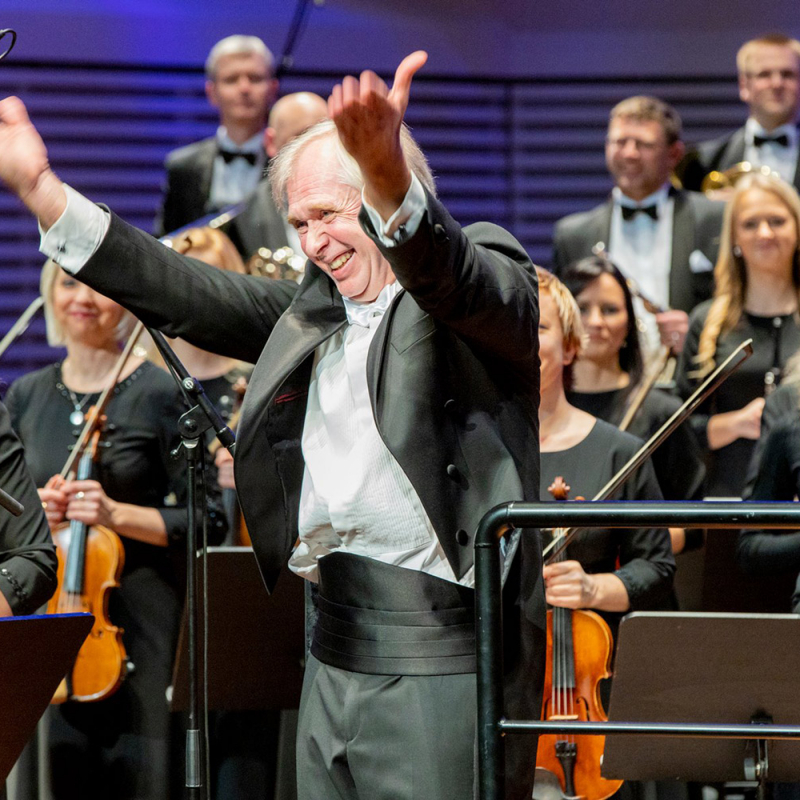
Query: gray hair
point(237, 45)
point(55, 333)
point(283, 165)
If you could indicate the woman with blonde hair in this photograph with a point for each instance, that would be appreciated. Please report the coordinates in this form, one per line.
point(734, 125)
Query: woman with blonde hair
point(757, 278)
point(120, 746)
point(612, 571)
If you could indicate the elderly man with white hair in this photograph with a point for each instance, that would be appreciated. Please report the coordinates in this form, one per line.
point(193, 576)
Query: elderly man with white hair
point(393, 403)
point(224, 169)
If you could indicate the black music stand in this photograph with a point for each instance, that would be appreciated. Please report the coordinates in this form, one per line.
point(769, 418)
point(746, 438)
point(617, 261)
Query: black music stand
point(35, 654)
point(256, 646)
point(710, 668)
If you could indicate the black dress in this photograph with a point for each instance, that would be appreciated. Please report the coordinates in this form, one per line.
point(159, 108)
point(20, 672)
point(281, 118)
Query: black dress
point(775, 340)
point(641, 558)
point(678, 462)
point(119, 747)
point(27, 555)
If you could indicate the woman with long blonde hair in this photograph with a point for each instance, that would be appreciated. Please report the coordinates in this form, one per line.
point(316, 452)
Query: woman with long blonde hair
point(757, 295)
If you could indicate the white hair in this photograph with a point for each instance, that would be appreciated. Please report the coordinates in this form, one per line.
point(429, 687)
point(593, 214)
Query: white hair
point(237, 45)
point(284, 164)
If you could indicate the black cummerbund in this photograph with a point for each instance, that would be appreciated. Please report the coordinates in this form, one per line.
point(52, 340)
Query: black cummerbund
point(384, 620)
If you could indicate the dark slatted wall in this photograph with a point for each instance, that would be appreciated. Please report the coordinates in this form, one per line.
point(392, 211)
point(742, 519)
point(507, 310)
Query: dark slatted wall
point(518, 153)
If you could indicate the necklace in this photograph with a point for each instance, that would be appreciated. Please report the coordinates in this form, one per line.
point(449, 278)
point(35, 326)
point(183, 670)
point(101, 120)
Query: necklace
point(77, 417)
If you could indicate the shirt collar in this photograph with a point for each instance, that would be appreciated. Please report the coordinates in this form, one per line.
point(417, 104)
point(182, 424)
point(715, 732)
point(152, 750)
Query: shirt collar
point(362, 313)
point(255, 144)
point(753, 129)
point(658, 197)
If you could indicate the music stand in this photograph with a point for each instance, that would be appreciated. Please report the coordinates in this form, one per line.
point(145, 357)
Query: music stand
point(35, 654)
point(256, 647)
point(710, 668)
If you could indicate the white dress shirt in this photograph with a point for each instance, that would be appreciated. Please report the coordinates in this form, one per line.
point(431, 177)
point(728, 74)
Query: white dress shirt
point(642, 249)
point(233, 182)
point(354, 496)
point(782, 160)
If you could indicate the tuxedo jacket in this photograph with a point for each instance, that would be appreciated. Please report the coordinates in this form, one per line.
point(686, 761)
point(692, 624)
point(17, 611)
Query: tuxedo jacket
point(716, 154)
point(696, 225)
point(258, 224)
point(187, 186)
point(453, 378)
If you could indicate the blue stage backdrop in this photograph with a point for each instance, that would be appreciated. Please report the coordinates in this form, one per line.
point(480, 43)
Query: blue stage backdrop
point(521, 153)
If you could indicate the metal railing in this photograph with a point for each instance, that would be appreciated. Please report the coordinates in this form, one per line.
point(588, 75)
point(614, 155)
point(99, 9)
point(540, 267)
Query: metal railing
point(492, 725)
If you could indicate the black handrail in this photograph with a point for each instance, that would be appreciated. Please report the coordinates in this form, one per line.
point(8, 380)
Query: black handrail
point(492, 726)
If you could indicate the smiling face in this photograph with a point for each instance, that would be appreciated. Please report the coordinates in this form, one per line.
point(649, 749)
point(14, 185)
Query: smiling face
point(242, 89)
point(605, 319)
point(638, 156)
point(324, 212)
point(766, 231)
point(771, 84)
point(83, 315)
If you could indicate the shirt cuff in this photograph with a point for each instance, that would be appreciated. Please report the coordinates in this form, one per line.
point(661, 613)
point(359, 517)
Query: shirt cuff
point(77, 233)
point(403, 224)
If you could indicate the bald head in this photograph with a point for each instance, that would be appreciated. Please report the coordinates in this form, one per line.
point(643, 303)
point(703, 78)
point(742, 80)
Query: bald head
point(290, 116)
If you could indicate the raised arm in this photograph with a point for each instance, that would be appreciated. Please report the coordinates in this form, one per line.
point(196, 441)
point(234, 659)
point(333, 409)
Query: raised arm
point(368, 117)
point(24, 166)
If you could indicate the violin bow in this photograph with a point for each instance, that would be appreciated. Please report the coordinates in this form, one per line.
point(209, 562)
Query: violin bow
point(102, 402)
point(709, 385)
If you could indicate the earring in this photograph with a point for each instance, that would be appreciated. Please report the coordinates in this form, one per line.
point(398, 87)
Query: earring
point(737, 251)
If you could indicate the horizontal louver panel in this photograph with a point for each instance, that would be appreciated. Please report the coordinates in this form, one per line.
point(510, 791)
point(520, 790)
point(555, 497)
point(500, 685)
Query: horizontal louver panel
point(518, 153)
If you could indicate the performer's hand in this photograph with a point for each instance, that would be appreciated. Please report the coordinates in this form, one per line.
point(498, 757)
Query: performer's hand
point(24, 167)
point(567, 585)
point(368, 116)
point(673, 326)
point(224, 462)
point(54, 501)
point(89, 503)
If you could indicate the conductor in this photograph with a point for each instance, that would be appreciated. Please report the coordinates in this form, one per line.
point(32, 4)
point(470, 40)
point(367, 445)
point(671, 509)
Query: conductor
point(393, 403)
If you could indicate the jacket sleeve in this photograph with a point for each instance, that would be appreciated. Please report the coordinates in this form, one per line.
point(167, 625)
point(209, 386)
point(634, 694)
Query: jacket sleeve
point(219, 311)
point(479, 282)
point(27, 554)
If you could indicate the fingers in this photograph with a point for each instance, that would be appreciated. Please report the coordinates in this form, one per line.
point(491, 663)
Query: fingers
point(13, 111)
point(409, 67)
point(369, 87)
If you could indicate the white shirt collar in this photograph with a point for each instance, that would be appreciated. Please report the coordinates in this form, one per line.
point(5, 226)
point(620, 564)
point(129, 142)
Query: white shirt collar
point(752, 128)
point(658, 197)
point(255, 144)
point(361, 313)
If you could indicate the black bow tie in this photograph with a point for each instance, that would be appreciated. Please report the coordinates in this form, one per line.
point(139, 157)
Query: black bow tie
point(782, 140)
point(232, 155)
point(629, 213)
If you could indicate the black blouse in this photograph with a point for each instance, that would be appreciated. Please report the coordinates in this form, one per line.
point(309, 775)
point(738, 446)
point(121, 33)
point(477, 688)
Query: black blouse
point(641, 558)
point(775, 340)
point(134, 464)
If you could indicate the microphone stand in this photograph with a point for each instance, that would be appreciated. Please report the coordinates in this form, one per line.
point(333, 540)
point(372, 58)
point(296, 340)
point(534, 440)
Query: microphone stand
point(201, 416)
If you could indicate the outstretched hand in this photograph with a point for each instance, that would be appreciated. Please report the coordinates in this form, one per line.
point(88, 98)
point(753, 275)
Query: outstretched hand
point(368, 116)
point(24, 167)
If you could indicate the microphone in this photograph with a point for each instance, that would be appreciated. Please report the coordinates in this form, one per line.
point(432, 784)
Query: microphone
point(6, 49)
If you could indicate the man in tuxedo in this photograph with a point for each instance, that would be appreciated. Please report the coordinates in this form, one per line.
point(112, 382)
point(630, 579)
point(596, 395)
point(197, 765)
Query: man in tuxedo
point(769, 83)
point(394, 401)
point(260, 224)
point(664, 240)
point(225, 169)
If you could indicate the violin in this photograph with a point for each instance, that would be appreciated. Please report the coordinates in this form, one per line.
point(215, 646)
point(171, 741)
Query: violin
point(90, 563)
point(578, 657)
